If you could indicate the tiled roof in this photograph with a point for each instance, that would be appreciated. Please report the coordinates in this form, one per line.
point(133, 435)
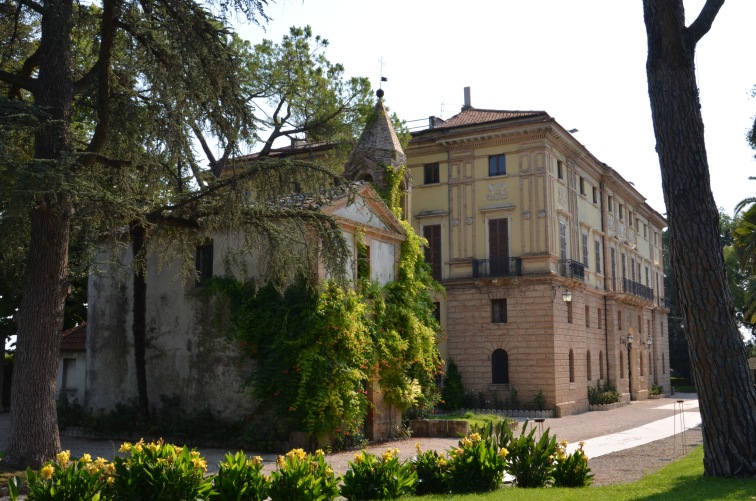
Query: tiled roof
point(473, 116)
point(74, 339)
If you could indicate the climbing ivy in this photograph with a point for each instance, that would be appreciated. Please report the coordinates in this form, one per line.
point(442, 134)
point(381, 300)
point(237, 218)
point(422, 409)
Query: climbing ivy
point(316, 347)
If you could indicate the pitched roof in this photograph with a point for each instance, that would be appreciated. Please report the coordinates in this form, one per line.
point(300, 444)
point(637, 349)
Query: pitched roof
point(74, 339)
point(474, 116)
point(378, 143)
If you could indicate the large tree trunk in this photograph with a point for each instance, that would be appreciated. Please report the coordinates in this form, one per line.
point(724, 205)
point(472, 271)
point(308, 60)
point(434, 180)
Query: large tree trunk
point(726, 395)
point(34, 434)
point(139, 321)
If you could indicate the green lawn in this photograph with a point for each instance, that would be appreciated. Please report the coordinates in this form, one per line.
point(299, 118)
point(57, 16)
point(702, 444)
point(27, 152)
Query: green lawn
point(681, 480)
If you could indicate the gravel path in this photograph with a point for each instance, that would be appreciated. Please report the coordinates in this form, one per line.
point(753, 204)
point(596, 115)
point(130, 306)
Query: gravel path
point(619, 467)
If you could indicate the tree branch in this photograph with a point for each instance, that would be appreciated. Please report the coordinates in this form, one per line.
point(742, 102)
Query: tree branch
point(16, 80)
point(703, 22)
point(107, 37)
point(33, 6)
point(26, 71)
point(89, 158)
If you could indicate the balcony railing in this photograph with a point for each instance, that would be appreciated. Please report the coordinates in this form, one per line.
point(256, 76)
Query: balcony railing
point(631, 287)
point(510, 267)
point(572, 269)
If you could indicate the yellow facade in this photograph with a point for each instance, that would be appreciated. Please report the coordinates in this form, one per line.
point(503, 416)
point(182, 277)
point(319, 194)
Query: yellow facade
point(519, 212)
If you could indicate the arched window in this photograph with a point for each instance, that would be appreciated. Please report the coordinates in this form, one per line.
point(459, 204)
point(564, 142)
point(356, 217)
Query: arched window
point(588, 364)
point(572, 367)
point(622, 365)
point(499, 367)
point(601, 365)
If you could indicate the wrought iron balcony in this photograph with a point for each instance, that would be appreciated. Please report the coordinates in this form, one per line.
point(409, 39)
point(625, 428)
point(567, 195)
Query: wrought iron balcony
point(510, 267)
point(637, 289)
point(572, 269)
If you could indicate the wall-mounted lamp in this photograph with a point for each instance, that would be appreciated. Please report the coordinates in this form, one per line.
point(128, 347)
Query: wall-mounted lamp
point(627, 341)
point(566, 295)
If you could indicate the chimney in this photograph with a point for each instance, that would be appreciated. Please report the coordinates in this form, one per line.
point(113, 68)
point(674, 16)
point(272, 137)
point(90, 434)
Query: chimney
point(467, 105)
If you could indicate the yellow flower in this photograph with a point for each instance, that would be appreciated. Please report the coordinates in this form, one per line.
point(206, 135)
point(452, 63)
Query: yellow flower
point(387, 456)
point(194, 454)
point(328, 471)
point(256, 461)
point(63, 457)
point(320, 452)
point(199, 464)
point(152, 447)
point(475, 437)
point(101, 462)
point(280, 461)
point(110, 468)
point(358, 458)
point(47, 471)
point(126, 447)
point(313, 465)
point(466, 443)
point(503, 453)
point(417, 447)
point(585, 458)
point(111, 480)
point(563, 443)
point(86, 458)
point(441, 462)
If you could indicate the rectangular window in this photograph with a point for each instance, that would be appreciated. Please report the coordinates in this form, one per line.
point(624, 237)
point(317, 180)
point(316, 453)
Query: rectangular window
point(587, 316)
point(645, 230)
point(624, 266)
point(621, 211)
point(597, 244)
point(582, 186)
point(595, 195)
point(640, 325)
point(610, 204)
point(203, 263)
point(569, 312)
point(560, 170)
point(562, 240)
point(585, 249)
point(432, 234)
point(498, 311)
point(431, 173)
point(632, 269)
point(647, 277)
point(598, 318)
point(498, 247)
point(619, 320)
point(497, 165)
point(363, 262)
point(613, 253)
point(437, 311)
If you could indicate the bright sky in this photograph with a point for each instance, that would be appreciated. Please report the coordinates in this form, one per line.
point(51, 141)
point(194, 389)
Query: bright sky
point(581, 61)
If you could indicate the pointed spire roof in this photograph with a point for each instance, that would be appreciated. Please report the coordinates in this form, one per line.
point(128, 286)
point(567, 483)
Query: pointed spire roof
point(378, 145)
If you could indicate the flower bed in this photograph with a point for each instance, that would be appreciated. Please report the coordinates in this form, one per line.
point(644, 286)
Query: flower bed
point(157, 470)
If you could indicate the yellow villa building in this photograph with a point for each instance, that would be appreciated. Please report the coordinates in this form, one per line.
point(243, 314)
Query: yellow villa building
point(551, 260)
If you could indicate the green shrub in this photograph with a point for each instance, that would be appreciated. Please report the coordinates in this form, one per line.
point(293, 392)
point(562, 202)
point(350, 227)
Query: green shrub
point(453, 393)
point(539, 401)
point(157, 470)
point(530, 461)
point(304, 477)
point(240, 479)
point(655, 390)
point(431, 468)
point(371, 477)
point(64, 480)
point(602, 394)
point(477, 465)
point(571, 470)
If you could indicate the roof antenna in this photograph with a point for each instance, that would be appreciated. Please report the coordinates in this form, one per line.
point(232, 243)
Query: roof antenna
point(379, 92)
